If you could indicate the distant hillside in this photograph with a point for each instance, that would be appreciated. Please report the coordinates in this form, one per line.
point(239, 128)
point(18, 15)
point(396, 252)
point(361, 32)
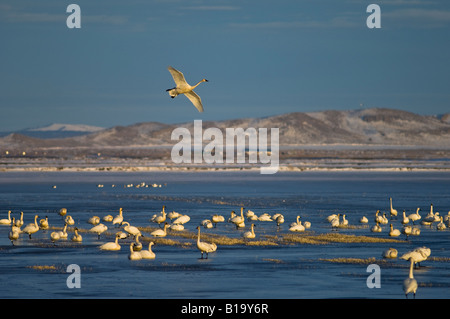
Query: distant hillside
point(366, 127)
point(56, 131)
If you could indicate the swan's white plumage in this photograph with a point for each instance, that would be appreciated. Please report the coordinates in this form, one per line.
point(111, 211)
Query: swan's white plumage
point(148, 254)
point(205, 247)
point(182, 87)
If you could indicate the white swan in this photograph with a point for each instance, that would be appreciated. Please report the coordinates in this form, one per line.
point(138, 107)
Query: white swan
point(77, 237)
point(407, 230)
point(217, 219)
point(134, 255)
point(137, 244)
point(13, 234)
point(415, 217)
point(207, 223)
point(378, 218)
point(376, 228)
point(99, 229)
point(111, 245)
point(335, 221)
point(62, 212)
point(390, 253)
point(19, 222)
point(441, 225)
point(296, 222)
point(250, 234)
point(54, 236)
point(417, 255)
point(415, 231)
point(173, 214)
point(331, 217)
point(176, 227)
point(132, 230)
point(239, 220)
point(69, 220)
point(94, 220)
point(265, 218)
point(31, 228)
point(384, 220)
point(297, 227)
point(205, 247)
point(148, 254)
point(405, 219)
point(410, 284)
point(364, 220)
point(183, 219)
point(43, 223)
point(118, 219)
point(182, 87)
point(6, 221)
point(160, 232)
point(393, 211)
point(159, 218)
point(63, 233)
point(108, 218)
point(394, 232)
point(344, 221)
point(279, 220)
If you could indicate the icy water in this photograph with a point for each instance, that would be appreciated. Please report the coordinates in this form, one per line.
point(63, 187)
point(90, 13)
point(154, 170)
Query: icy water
point(37, 269)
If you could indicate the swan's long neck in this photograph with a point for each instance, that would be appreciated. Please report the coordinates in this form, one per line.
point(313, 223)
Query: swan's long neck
point(198, 237)
point(431, 209)
point(411, 269)
point(391, 203)
point(193, 87)
point(298, 219)
point(35, 220)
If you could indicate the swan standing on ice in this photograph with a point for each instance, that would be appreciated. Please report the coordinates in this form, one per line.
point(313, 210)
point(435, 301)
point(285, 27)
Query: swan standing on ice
point(159, 218)
point(54, 236)
point(148, 254)
point(205, 247)
point(182, 87)
point(118, 219)
point(441, 225)
point(31, 228)
point(415, 217)
point(13, 234)
point(407, 230)
point(132, 230)
point(183, 219)
point(99, 229)
point(410, 284)
point(417, 255)
point(217, 219)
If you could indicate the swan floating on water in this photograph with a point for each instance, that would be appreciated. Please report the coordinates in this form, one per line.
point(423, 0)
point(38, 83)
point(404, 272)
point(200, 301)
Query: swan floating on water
point(182, 87)
point(111, 245)
point(390, 253)
point(148, 254)
point(160, 232)
point(394, 232)
point(134, 255)
point(77, 237)
point(6, 221)
point(250, 234)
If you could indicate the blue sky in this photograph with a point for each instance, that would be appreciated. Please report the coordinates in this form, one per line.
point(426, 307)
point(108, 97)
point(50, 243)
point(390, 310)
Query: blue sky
point(261, 58)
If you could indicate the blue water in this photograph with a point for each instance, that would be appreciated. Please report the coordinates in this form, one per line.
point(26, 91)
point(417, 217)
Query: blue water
point(239, 271)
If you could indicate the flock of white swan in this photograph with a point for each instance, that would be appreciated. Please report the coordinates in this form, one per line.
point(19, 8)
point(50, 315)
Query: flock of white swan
point(124, 230)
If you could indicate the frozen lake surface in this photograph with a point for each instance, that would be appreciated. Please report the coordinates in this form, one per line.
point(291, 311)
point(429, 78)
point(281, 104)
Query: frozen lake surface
point(284, 270)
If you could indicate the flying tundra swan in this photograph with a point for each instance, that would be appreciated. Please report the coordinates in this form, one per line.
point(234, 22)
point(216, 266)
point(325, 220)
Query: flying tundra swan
point(182, 87)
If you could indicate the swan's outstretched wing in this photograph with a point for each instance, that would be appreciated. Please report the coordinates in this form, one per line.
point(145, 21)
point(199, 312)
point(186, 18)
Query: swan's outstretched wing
point(178, 77)
point(195, 99)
